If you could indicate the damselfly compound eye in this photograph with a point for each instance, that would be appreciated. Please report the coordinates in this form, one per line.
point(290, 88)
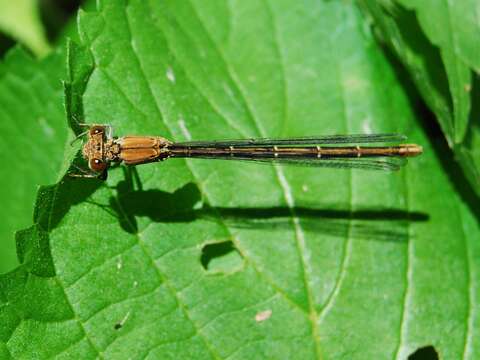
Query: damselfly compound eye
point(97, 165)
point(96, 130)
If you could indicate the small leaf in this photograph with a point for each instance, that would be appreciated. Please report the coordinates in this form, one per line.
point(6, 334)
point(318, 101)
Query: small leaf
point(20, 19)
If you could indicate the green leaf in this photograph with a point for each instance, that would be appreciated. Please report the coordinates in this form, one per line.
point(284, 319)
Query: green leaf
point(454, 29)
point(42, 124)
point(21, 20)
point(204, 259)
point(400, 28)
point(434, 49)
point(32, 138)
point(452, 26)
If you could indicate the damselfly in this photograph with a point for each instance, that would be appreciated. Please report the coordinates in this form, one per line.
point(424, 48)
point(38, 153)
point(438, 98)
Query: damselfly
point(335, 151)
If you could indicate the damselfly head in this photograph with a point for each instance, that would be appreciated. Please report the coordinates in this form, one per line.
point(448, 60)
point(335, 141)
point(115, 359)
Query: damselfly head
point(94, 148)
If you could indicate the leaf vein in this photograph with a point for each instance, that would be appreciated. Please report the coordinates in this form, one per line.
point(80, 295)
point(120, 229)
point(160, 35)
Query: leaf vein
point(100, 264)
point(408, 277)
point(470, 297)
point(234, 311)
point(76, 318)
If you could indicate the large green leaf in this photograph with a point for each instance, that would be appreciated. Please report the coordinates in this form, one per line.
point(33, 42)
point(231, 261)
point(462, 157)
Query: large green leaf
point(32, 138)
point(438, 45)
point(203, 259)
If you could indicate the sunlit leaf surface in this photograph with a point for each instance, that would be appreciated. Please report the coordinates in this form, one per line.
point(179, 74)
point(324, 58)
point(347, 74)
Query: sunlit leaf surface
point(204, 259)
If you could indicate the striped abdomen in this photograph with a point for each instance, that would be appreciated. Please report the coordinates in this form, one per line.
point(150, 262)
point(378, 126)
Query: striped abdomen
point(294, 152)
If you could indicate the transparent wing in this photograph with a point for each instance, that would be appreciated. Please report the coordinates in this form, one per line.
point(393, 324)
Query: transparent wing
point(310, 140)
point(381, 163)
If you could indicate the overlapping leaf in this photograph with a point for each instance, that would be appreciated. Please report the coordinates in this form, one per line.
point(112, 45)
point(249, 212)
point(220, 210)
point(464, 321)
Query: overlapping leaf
point(32, 138)
point(439, 45)
point(451, 25)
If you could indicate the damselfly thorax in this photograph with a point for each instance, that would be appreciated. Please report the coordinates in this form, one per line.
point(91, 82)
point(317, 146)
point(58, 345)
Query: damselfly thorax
point(334, 151)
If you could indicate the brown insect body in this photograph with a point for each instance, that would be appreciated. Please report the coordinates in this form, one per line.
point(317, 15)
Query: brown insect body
point(407, 150)
point(101, 149)
point(135, 150)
